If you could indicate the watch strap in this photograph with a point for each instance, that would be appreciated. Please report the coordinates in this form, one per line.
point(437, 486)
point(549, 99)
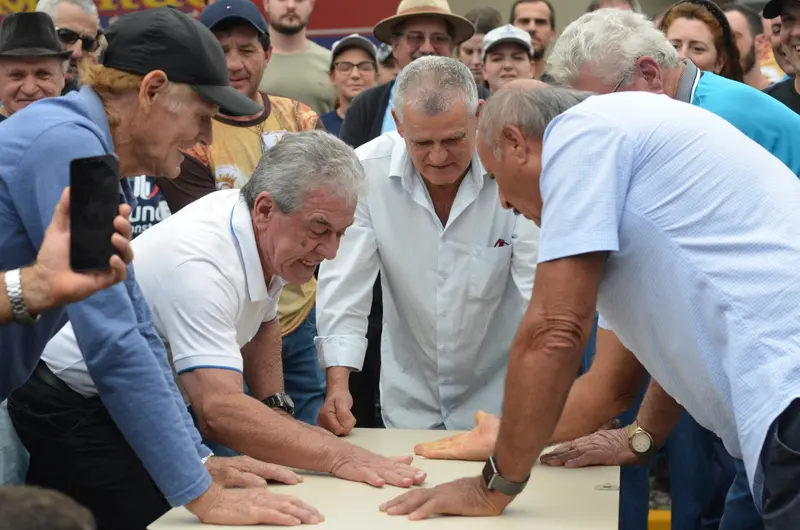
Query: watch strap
point(19, 310)
point(281, 401)
point(495, 481)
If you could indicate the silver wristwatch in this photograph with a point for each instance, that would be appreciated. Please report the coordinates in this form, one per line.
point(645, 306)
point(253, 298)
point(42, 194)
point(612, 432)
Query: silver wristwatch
point(14, 292)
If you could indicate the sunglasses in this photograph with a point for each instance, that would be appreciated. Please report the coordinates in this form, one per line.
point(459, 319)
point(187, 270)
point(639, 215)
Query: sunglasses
point(70, 37)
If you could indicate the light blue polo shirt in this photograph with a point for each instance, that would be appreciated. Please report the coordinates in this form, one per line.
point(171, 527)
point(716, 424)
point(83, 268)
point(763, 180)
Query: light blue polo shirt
point(388, 121)
point(761, 117)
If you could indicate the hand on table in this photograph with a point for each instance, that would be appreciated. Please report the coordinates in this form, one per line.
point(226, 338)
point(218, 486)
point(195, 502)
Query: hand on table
point(477, 444)
point(603, 448)
point(360, 465)
point(251, 506)
point(53, 282)
point(335, 414)
point(246, 472)
point(466, 496)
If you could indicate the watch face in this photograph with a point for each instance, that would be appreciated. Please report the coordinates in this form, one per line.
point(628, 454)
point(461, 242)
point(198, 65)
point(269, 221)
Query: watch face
point(641, 442)
point(288, 399)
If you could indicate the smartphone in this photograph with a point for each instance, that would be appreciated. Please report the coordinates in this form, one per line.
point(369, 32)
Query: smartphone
point(94, 204)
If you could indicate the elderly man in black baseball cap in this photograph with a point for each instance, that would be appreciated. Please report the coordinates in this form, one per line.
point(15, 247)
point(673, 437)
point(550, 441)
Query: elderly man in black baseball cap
point(127, 450)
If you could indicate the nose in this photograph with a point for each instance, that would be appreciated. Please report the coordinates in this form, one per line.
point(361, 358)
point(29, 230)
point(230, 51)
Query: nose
point(427, 47)
point(77, 49)
point(355, 73)
point(683, 51)
point(233, 62)
point(329, 247)
point(437, 156)
point(29, 86)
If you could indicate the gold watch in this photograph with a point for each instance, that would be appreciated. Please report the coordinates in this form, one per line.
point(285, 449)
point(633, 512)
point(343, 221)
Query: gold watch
point(640, 440)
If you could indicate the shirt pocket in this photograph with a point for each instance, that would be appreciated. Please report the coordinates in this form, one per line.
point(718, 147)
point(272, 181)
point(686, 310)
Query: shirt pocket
point(488, 271)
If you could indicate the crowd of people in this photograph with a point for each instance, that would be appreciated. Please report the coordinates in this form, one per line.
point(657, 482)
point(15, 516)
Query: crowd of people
point(585, 239)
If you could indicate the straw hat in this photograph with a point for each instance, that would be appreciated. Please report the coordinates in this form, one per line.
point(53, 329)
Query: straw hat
point(462, 28)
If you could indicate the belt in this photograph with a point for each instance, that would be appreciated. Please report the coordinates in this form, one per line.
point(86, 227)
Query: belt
point(46, 376)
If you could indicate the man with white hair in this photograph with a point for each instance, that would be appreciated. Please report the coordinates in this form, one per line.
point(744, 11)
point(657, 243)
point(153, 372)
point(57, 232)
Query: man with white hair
point(456, 270)
point(685, 241)
point(78, 28)
point(212, 275)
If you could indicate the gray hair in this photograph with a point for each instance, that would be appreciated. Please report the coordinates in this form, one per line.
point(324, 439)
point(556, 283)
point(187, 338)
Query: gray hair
point(608, 42)
point(432, 84)
point(305, 161)
point(530, 109)
point(51, 7)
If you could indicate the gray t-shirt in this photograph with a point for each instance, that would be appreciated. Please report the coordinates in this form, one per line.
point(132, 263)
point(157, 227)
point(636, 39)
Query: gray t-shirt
point(302, 76)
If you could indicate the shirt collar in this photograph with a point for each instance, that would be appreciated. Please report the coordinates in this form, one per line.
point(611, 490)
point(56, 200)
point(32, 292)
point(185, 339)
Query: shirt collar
point(402, 167)
point(687, 84)
point(245, 239)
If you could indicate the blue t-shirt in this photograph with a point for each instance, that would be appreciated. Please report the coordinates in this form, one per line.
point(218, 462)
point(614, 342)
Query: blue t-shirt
point(332, 122)
point(388, 121)
point(761, 117)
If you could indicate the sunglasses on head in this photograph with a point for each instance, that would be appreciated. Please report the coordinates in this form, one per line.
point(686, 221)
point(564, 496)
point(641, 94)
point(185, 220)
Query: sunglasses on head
point(68, 36)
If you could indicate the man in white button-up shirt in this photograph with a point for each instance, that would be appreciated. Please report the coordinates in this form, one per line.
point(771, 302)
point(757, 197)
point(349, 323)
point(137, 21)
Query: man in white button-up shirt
point(456, 268)
point(212, 275)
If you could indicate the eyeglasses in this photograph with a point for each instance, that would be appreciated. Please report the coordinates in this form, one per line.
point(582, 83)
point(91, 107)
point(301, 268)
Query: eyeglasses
point(70, 37)
point(346, 67)
point(416, 39)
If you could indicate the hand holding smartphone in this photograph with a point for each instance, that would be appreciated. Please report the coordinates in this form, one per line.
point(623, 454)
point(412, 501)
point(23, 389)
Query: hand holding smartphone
point(94, 204)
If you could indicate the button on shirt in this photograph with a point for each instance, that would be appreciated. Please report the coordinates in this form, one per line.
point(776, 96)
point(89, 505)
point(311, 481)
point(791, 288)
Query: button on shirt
point(701, 280)
point(201, 275)
point(113, 327)
point(453, 296)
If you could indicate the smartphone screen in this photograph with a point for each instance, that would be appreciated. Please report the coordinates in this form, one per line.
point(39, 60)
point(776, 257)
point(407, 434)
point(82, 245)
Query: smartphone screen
point(94, 204)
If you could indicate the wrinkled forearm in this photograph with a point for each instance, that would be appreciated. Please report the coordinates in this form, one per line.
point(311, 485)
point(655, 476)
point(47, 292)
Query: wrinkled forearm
point(250, 427)
point(263, 362)
point(659, 413)
point(587, 409)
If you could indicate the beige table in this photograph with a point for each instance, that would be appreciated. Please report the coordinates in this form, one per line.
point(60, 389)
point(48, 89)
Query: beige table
point(555, 499)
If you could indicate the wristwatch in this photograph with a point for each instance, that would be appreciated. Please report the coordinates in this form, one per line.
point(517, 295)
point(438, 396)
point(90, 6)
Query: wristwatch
point(640, 440)
point(495, 481)
point(14, 292)
point(280, 401)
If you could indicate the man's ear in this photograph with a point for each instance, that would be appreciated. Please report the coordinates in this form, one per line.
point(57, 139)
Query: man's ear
point(398, 124)
point(155, 83)
point(267, 55)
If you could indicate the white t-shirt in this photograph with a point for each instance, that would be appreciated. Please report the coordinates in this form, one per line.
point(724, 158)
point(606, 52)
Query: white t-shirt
point(702, 224)
point(201, 275)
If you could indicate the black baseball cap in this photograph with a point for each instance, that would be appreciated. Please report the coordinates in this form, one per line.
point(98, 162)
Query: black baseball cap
point(233, 9)
point(166, 39)
point(772, 9)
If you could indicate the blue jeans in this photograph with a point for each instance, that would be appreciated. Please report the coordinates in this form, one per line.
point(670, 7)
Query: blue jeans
point(13, 455)
point(740, 511)
point(303, 379)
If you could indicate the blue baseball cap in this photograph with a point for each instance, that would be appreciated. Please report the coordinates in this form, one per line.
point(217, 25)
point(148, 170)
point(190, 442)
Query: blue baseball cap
point(233, 9)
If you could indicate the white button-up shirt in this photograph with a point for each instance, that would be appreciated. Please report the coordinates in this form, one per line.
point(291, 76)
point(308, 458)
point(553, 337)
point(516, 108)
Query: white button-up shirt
point(453, 296)
point(702, 226)
point(201, 275)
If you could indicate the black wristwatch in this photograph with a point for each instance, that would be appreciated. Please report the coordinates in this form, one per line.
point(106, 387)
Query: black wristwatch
point(280, 401)
point(495, 482)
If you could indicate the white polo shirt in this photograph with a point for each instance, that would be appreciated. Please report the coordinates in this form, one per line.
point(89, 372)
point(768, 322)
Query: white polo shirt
point(201, 275)
point(453, 295)
point(702, 226)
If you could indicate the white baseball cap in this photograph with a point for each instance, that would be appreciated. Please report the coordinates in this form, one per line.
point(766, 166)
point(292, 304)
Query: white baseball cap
point(507, 33)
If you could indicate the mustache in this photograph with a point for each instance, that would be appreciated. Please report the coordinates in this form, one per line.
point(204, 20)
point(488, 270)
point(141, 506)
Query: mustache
point(417, 55)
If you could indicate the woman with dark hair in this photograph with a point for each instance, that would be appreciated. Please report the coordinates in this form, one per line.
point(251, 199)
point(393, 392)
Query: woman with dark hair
point(700, 32)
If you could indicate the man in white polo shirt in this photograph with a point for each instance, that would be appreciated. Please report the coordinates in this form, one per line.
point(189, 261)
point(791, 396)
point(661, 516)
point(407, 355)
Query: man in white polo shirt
point(212, 275)
point(456, 269)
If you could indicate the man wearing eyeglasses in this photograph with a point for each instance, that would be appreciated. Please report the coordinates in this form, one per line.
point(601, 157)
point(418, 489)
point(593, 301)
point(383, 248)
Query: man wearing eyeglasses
point(78, 29)
point(230, 160)
point(354, 66)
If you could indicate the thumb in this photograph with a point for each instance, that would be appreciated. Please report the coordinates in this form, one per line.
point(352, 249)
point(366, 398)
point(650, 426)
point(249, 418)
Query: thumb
point(61, 216)
point(344, 416)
